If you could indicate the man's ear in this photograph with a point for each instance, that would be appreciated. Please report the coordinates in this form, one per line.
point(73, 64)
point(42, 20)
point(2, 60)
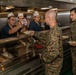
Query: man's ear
point(48, 18)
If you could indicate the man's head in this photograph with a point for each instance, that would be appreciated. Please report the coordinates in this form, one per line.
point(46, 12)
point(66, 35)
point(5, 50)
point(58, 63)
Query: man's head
point(11, 19)
point(73, 14)
point(20, 16)
point(36, 16)
point(50, 16)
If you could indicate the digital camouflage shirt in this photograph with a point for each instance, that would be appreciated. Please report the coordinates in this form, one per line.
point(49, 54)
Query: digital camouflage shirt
point(73, 49)
point(52, 54)
point(73, 30)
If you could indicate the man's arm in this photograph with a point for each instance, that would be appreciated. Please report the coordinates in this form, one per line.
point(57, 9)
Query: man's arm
point(52, 48)
point(40, 35)
point(15, 29)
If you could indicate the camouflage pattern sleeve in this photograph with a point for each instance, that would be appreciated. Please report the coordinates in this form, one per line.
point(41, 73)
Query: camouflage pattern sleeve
point(52, 46)
point(41, 36)
point(73, 31)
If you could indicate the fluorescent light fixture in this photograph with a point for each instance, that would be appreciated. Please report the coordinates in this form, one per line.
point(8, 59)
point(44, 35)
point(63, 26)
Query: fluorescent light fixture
point(71, 0)
point(9, 7)
point(30, 10)
point(54, 9)
point(44, 8)
point(50, 7)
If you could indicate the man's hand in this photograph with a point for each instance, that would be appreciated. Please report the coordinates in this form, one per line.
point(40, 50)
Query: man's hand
point(72, 43)
point(32, 32)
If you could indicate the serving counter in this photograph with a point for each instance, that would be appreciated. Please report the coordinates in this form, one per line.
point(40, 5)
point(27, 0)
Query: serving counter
point(26, 61)
point(22, 63)
point(27, 64)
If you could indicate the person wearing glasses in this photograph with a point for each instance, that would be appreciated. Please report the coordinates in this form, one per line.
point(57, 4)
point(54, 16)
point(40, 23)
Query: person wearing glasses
point(21, 19)
point(10, 29)
point(35, 24)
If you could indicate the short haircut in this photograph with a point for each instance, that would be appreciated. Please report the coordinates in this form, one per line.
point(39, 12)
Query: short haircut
point(52, 13)
point(73, 9)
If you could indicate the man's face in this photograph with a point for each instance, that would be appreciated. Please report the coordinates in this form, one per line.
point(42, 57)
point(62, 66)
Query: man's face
point(12, 21)
point(46, 19)
point(20, 18)
point(37, 18)
point(73, 15)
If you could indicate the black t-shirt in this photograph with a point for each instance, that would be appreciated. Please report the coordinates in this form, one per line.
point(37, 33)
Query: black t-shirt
point(5, 32)
point(34, 26)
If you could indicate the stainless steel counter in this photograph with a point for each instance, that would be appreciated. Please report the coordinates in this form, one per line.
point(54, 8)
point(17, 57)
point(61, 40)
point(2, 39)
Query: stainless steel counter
point(28, 64)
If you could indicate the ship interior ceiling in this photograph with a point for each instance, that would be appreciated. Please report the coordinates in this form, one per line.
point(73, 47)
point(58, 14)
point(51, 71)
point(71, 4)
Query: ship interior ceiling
point(24, 5)
point(4, 10)
point(28, 7)
point(32, 5)
point(25, 60)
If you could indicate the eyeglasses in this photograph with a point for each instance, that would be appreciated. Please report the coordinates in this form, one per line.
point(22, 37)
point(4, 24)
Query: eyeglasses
point(37, 17)
point(13, 19)
point(21, 18)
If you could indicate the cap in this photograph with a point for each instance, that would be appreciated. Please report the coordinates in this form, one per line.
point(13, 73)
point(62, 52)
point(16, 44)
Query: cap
point(10, 14)
point(20, 14)
point(35, 13)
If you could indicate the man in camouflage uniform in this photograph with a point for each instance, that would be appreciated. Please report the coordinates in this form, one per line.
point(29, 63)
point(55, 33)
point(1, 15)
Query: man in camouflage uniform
point(73, 33)
point(52, 54)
